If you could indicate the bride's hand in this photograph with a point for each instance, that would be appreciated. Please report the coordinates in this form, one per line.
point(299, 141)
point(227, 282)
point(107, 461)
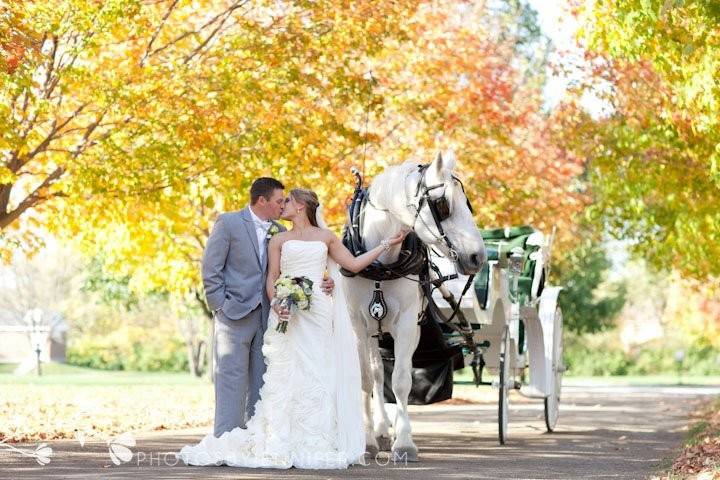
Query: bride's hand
point(397, 238)
point(328, 284)
point(282, 312)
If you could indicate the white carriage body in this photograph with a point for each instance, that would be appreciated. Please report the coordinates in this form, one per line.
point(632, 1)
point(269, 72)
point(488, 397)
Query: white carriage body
point(538, 316)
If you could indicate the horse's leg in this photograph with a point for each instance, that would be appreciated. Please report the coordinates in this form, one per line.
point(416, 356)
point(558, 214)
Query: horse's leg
point(406, 335)
point(364, 340)
point(381, 422)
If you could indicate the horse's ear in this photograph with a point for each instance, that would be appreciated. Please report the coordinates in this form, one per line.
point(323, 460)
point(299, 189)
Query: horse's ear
point(437, 164)
point(444, 163)
point(449, 160)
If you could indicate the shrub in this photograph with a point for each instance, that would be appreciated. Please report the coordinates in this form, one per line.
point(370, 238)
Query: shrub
point(601, 355)
point(130, 348)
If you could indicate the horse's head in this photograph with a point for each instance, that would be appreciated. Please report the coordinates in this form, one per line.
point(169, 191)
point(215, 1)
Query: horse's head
point(443, 215)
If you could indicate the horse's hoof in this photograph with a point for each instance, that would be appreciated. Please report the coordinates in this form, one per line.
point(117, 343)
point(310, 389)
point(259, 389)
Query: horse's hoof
point(371, 451)
point(405, 454)
point(384, 443)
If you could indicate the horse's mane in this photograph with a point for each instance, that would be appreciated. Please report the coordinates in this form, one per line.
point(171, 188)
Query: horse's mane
point(387, 184)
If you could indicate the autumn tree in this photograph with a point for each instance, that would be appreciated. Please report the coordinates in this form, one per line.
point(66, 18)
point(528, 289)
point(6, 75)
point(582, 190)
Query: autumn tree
point(655, 158)
point(146, 114)
point(132, 124)
point(469, 76)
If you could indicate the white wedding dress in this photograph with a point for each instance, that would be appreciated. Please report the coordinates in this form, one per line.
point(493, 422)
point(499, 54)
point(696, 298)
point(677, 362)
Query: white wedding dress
point(309, 414)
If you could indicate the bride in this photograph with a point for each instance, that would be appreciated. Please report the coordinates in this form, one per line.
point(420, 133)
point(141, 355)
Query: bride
point(309, 414)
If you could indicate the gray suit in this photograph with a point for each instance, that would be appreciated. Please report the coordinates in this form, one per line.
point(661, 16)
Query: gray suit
point(234, 279)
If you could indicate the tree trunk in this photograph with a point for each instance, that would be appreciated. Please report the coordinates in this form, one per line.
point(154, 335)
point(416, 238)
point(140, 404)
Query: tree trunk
point(211, 338)
point(196, 357)
point(211, 353)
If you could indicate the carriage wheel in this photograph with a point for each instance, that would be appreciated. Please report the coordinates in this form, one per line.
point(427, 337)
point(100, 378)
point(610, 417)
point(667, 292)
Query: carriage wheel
point(504, 373)
point(552, 402)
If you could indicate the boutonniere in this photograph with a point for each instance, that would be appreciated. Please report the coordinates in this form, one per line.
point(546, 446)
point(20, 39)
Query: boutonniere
point(274, 229)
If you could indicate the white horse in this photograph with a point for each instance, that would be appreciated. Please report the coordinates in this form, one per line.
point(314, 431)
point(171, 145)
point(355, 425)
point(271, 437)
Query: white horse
point(404, 197)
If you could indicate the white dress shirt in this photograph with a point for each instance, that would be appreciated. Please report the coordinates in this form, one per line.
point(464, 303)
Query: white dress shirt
point(261, 228)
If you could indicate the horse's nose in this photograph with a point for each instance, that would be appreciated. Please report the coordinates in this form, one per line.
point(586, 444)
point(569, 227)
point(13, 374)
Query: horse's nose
point(478, 259)
point(471, 263)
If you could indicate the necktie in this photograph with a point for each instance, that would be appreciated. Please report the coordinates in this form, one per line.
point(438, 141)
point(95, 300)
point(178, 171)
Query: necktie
point(263, 226)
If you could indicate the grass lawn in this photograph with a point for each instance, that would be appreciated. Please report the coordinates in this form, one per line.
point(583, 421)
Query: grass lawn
point(668, 380)
point(72, 402)
point(61, 374)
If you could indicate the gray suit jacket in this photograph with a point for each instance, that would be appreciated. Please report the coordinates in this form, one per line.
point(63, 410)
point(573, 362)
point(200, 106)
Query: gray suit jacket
point(233, 275)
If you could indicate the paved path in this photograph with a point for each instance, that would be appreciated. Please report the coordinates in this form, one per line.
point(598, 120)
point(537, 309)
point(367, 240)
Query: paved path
point(604, 432)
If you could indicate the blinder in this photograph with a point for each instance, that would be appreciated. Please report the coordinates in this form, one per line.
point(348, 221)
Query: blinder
point(439, 207)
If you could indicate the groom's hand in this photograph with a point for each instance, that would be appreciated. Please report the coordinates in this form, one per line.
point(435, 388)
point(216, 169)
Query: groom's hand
point(328, 285)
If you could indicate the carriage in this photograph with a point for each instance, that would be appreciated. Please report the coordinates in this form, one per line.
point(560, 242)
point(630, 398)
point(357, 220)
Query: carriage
point(514, 318)
point(501, 319)
point(509, 326)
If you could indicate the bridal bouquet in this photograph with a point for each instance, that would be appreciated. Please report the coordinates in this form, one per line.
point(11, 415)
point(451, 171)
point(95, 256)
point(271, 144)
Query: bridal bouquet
point(292, 293)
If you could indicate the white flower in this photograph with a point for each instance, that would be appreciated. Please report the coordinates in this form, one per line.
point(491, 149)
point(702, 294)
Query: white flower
point(272, 231)
point(282, 292)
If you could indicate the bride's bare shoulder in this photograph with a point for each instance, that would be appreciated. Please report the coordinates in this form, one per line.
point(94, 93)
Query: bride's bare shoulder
point(279, 238)
point(328, 236)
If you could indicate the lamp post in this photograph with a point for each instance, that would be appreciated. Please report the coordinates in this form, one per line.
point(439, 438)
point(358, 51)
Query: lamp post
point(36, 316)
point(679, 358)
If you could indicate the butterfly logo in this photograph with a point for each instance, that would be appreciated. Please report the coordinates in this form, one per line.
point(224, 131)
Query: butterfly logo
point(119, 448)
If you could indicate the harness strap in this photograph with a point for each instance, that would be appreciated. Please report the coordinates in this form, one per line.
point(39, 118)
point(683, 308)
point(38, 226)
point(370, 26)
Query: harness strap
point(457, 306)
point(413, 254)
point(425, 198)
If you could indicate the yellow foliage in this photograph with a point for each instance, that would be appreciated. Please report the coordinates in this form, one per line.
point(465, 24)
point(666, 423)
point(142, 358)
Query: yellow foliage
point(693, 309)
point(167, 116)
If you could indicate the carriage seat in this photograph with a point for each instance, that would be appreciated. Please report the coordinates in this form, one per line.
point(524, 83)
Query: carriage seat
point(507, 238)
point(501, 241)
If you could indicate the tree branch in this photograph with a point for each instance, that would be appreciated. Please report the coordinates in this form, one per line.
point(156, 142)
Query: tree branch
point(157, 31)
point(5, 191)
point(203, 304)
point(51, 69)
point(6, 218)
point(209, 37)
point(31, 200)
point(238, 4)
point(54, 129)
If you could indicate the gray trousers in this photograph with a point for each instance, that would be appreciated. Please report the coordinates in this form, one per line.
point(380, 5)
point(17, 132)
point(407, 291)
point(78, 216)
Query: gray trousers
point(239, 367)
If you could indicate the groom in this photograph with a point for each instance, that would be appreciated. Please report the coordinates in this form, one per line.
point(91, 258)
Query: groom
point(234, 269)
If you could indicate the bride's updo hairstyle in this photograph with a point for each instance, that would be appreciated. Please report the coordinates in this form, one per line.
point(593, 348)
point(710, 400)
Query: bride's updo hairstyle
point(310, 200)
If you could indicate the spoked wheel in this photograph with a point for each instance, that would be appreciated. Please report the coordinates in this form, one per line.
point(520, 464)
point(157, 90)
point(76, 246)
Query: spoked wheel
point(552, 402)
point(503, 381)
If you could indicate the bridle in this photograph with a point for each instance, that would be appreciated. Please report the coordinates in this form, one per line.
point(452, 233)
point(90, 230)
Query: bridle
point(439, 208)
point(440, 211)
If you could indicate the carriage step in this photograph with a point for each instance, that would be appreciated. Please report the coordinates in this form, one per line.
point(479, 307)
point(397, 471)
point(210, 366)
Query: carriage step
point(531, 392)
